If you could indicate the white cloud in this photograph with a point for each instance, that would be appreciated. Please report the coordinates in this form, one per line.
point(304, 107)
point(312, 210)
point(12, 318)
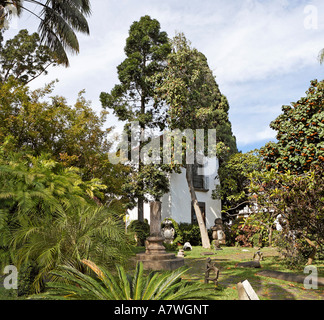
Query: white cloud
point(260, 51)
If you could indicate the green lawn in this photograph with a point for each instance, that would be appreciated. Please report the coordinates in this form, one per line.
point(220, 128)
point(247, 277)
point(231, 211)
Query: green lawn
point(230, 275)
point(266, 288)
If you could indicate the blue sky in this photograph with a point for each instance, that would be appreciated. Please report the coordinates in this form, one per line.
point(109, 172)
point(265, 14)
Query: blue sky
point(263, 53)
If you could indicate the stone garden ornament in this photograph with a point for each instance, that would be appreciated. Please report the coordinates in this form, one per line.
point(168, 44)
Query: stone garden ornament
point(168, 231)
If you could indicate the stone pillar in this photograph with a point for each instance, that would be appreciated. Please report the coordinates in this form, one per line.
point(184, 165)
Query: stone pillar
point(155, 219)
point(155, 240)
point(155, 256)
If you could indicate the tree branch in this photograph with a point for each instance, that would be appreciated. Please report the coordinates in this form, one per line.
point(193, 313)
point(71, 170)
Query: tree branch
point(39, 73)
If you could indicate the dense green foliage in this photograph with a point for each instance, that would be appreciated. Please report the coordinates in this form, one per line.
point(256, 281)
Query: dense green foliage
point(184, 232)
point(233, 190)
point(54, 209)
point(300, 134)
point(24, 58)
point(132, 100)
point(49, 216)
point(154, 286)
point(74, 136)
point(141, 230)
point(51, 126)
point(297, 200)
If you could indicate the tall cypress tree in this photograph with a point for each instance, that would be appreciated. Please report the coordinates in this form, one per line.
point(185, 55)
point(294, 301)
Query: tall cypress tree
point(194, 101)
point(132, 100)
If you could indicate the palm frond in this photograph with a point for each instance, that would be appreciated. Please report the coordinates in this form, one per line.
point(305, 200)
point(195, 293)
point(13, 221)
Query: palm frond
point(138, 282)
point(155, 286)
point(77, 284)
point(57, 34)
point(72, 13)
point(169, 281)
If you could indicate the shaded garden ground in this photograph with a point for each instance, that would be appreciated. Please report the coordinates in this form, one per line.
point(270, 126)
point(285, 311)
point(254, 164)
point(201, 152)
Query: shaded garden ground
point(266, 288)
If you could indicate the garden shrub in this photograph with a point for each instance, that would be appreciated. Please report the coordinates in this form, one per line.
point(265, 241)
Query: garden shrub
point(230, 234)
point(26, 277)
point(295, 250)
point(289, 247)
point(245, 237)
point(141, 229)
point(190, 233)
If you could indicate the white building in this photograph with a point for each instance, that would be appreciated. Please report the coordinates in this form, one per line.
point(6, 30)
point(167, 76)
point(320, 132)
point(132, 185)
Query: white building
point(177, 203)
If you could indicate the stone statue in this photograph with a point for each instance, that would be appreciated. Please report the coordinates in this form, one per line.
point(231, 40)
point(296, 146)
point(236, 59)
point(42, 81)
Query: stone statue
point(168, 231)
point(218, 234)
point(210, 267)
point(258, 254)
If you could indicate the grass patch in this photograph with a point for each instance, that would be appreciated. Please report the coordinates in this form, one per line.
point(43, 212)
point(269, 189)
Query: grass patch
point(266, 288)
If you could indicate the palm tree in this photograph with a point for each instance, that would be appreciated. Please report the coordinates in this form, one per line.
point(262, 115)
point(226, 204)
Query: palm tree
point(48, 217)
point(165, 285)
point(59, 20)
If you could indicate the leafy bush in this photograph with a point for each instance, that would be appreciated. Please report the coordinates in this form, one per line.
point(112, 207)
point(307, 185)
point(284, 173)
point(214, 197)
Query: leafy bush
point(48, 217)
point(26, 277)
point(245, 237)
point(167, 285)
point(141, 230)
point(190, 233)
point(297, 202)
point(289, 248)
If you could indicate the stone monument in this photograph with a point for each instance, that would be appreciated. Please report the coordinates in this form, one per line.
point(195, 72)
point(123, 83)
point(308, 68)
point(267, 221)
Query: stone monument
point(218, 234)
point(211, 268)
point(258, 255)
point(168, 231)
point(155, 257)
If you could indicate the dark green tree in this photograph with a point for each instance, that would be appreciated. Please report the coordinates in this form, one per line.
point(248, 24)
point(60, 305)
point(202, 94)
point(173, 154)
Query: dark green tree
point(32, 123)
point(300, 134)
point(24, 58)
point(132, 100)
point(233, 190)
point(59, 20)
point(194, 102)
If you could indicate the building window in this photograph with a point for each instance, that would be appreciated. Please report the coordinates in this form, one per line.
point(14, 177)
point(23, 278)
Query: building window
point(202, 206)
point(200, 182)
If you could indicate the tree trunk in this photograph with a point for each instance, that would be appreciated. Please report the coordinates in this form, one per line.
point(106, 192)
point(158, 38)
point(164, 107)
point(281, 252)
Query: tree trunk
point(270, 236)
point(203, 230)
point(313, 254)
point(140, 201)
point(140, 209)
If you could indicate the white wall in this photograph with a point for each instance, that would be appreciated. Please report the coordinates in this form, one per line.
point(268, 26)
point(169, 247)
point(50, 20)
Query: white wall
point(177, 203)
